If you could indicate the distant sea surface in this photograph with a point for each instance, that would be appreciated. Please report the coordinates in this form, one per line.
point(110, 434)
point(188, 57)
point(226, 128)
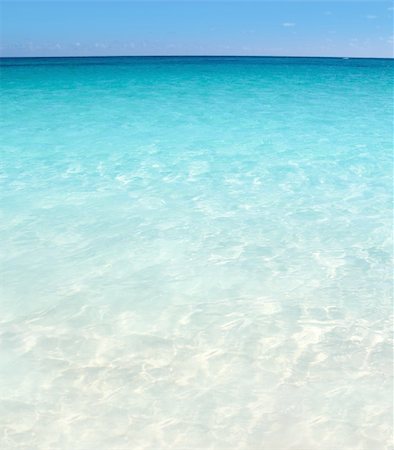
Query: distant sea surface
point(196, 253)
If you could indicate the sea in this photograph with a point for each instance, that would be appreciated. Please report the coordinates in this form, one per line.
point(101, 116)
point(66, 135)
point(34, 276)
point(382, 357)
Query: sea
point(196, 253)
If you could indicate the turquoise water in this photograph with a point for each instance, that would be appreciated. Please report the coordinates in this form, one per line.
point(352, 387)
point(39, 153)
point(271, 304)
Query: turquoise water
point(196, 254)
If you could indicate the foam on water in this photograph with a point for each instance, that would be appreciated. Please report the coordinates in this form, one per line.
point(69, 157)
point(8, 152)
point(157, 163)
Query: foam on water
point(196, 254)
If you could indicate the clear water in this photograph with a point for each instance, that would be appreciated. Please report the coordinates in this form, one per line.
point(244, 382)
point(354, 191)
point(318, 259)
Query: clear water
point(196, 254)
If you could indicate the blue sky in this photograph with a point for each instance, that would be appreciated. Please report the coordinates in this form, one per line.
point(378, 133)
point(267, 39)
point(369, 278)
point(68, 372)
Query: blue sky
point(293, 28)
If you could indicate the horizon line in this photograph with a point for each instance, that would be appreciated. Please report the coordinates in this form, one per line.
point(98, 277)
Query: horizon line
point(197, 56)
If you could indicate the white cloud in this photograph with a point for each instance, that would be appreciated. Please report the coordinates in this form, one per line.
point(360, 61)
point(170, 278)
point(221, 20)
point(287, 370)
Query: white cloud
point(100, 45)
point(288, 24)
point(371, 17)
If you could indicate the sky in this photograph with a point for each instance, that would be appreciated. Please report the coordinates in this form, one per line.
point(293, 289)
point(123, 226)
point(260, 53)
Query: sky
point(278, 28)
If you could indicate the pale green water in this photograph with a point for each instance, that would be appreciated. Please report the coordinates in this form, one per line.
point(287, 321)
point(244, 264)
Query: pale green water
point(196, 254)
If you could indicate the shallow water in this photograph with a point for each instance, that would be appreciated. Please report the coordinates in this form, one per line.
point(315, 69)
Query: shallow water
point(196, 254)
